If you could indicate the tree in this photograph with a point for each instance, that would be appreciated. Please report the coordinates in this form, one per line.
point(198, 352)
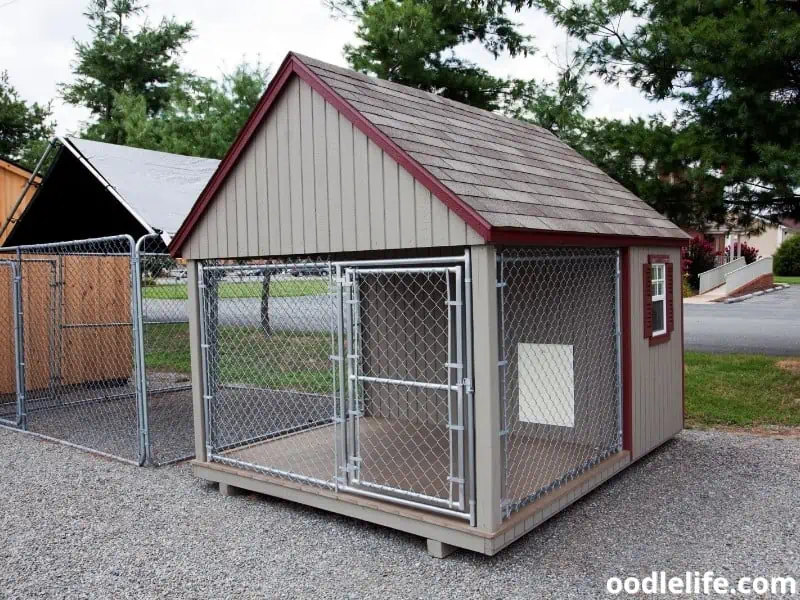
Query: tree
point(120, 62)
point(558, 107)
point(203, 118)
point(414, 42)
point(24, 128)
point(733, 64)
point(646, 156)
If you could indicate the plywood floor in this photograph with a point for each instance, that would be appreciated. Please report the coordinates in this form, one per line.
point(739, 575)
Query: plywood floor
point(412, 456)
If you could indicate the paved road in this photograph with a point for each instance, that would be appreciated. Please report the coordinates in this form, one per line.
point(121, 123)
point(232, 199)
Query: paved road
point(768, 324)
point(301, 313)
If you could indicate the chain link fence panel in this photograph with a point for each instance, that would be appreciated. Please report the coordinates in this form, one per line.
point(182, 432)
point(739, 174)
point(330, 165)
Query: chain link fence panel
point(560, 366)
point(77, 320)
point(165, 343)
point(268, 338)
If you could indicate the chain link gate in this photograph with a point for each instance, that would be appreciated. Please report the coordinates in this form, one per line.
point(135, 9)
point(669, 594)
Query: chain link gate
point(348, 376)
point(561, 394)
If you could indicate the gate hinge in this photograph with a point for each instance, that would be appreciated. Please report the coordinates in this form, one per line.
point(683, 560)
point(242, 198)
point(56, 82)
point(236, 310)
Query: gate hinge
point(467, 383)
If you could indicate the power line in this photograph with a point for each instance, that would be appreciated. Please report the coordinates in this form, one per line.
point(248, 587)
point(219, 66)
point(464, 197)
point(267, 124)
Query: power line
point(7, 3)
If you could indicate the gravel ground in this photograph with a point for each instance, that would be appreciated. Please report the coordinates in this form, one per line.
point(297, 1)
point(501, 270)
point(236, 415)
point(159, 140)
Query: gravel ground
point(77, 526)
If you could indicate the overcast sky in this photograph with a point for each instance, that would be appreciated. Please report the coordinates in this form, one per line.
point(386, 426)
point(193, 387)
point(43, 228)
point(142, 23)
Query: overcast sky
point(36, 46)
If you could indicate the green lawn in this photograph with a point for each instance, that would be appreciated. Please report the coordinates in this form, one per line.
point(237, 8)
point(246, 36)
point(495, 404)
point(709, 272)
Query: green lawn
point(744, 390)
point(281, 288)
point(298, 361)
point(721, 389)
point(795, 280)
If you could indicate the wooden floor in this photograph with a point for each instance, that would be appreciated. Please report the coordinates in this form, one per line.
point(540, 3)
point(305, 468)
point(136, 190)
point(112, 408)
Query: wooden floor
point(411, 456)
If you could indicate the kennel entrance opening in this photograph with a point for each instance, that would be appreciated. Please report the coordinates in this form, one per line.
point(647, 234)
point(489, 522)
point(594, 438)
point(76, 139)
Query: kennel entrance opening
point(352, 376)
point(405, 414)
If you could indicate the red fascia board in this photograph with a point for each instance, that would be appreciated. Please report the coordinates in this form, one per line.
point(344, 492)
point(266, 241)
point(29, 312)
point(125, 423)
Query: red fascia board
point(294, 66)
point(525, 237)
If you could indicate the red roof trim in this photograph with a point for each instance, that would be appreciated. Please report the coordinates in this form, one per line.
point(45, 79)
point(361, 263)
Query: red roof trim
point(293, 65)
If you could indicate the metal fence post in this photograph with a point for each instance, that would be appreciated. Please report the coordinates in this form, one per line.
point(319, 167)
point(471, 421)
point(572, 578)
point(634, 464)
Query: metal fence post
point(19, 339)
point(138, 347)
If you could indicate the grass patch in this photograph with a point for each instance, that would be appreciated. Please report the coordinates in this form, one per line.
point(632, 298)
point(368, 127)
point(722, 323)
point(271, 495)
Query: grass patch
point(297, 361)
point(280, 288)
point(792, 279)
point(742, 390)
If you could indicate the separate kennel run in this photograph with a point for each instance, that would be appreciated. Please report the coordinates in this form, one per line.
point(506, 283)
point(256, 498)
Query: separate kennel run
point(368, 390)
point(99, 355)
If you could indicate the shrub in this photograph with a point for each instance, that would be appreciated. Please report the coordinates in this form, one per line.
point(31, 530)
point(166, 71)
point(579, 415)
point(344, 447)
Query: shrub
point(749, 253)
point(787, 257)
point(699, 257)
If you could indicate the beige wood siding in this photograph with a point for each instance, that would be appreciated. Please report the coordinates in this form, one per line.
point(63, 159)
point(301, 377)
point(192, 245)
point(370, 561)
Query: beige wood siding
point(311, 183)
point(657, 371)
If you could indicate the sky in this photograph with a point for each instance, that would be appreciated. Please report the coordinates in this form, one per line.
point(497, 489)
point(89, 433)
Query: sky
point(37, 36)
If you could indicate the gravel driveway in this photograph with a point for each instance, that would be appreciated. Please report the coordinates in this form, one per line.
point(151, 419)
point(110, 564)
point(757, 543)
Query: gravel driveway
point(74, 525)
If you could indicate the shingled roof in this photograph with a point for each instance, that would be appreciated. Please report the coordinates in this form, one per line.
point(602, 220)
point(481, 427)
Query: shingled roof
point(500, 174)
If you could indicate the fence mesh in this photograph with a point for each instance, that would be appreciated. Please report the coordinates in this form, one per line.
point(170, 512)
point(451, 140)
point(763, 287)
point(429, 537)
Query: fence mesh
point(86, 362)
point(406, 374)
point(165, 339)
point(268, 331)
point(9, 359)
point(559, 367)
point(78, 344)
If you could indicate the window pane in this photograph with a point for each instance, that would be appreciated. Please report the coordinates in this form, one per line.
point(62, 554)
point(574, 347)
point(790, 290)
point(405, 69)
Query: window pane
point(658, 316)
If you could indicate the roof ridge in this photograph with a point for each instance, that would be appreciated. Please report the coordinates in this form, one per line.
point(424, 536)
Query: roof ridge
point(309, 61)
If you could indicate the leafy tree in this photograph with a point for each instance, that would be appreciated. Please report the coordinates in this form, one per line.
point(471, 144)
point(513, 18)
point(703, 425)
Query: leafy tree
point(119, 61)
point(646, 156)
point(558, 107)
point(414, 42)
point(786, 259)
point(733, 65)
point(24, 128)
point(202, 120)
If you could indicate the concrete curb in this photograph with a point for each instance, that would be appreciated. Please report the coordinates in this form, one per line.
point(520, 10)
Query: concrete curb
point(780, 286)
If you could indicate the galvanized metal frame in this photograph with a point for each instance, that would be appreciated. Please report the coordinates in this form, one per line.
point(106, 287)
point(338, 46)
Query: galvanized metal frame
point(347, 380)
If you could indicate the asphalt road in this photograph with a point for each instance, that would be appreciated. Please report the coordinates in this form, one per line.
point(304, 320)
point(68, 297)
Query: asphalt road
point(300, 313)
point(768, 324)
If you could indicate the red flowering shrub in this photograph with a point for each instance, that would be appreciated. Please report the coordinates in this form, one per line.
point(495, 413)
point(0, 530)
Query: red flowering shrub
point(699, 257)
point(749, 253)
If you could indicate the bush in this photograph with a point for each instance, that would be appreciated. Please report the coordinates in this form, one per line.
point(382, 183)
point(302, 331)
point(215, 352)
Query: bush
point(698, 258)
point(786, 260)
point(749, 253)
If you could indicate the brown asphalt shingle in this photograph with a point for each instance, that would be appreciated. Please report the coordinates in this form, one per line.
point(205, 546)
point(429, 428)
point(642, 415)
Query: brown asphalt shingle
point(513, 174)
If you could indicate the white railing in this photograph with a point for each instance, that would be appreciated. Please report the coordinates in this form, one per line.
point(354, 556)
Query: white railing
point(741, 277)
point(716, 277)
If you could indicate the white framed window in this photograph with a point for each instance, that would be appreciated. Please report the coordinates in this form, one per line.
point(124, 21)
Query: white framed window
point(658, 286)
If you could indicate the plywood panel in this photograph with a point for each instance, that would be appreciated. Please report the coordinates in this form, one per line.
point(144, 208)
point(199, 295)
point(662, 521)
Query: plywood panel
point(12, 182)
point(312, 183)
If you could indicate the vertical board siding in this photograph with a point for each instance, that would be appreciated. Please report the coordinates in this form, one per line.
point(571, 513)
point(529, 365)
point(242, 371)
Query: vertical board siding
point(12, 182)
point(312, 183)
point(657, 382)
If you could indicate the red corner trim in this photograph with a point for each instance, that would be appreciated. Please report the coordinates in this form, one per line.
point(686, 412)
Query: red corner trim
point(627, 361)
point(293, 65)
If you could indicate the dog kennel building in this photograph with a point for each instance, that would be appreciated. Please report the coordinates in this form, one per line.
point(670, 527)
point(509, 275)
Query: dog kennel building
point(464, 326)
